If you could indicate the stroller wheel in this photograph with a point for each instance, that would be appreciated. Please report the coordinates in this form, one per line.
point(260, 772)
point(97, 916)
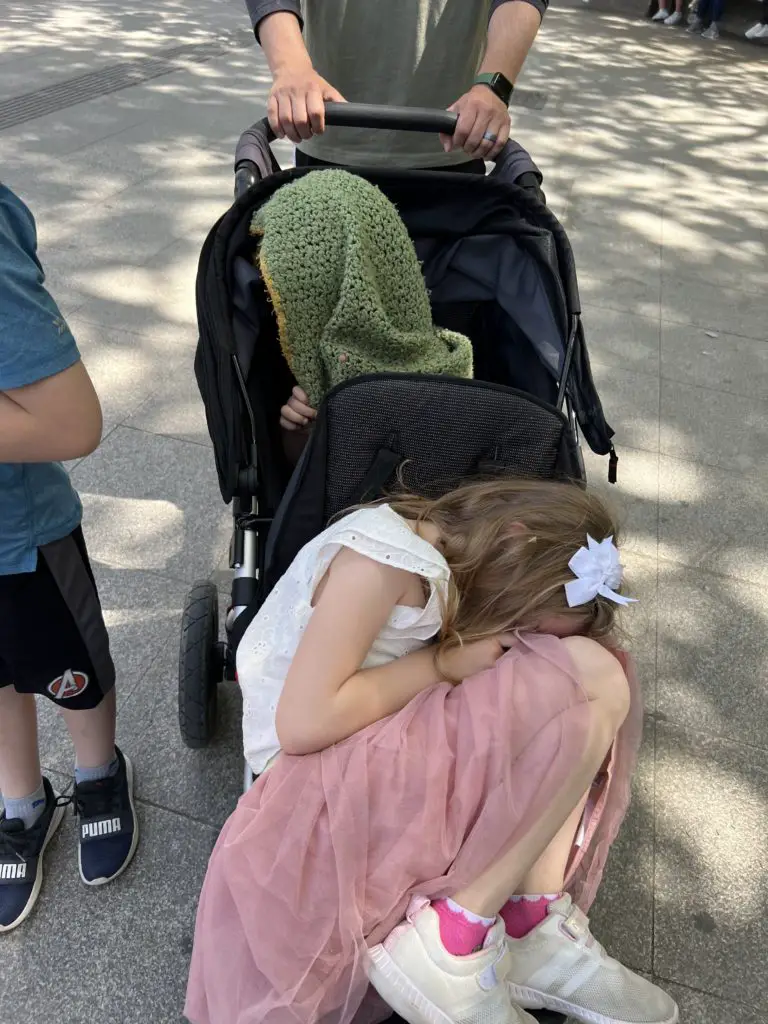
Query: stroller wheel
point(200, 667)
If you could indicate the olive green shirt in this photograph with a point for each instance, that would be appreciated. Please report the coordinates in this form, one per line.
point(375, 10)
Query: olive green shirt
point(422, 53)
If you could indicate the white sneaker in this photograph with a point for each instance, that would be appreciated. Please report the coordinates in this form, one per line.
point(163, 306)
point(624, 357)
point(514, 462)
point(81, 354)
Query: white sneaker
point(674, 19)
point(661, 15)
point(713, 32)
point(559, 966)
point(695, 24)
point(758, 31)
point(415, 975)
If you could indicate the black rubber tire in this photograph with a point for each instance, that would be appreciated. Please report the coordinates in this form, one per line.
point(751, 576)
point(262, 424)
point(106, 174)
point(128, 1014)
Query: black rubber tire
point(199, 664)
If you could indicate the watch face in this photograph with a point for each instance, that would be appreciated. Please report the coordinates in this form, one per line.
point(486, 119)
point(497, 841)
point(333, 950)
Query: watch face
point(502, 86)
point(498, 83)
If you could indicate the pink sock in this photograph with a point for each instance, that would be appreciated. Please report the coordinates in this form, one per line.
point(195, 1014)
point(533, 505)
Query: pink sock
point(461, 931)
point(521, 914)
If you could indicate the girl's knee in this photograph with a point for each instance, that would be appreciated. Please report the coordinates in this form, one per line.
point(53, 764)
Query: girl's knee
point(602, 678)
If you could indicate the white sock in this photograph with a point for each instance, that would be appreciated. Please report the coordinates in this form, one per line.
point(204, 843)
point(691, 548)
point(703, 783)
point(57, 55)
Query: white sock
point(27, 808)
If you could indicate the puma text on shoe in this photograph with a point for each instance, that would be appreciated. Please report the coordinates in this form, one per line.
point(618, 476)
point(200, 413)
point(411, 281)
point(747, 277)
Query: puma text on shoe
point(21, 860)
point(108, 829)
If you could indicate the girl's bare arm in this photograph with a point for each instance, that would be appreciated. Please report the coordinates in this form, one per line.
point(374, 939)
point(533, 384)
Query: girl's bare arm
point(327, 697)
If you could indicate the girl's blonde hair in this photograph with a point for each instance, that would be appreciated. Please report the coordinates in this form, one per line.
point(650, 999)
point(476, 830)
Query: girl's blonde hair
point(508, 543)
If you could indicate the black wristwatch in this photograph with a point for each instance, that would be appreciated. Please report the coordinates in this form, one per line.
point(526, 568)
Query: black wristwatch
point(497, 83)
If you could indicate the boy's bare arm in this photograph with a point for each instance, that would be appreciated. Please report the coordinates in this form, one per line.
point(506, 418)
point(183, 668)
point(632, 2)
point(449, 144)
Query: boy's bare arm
point(52, 420)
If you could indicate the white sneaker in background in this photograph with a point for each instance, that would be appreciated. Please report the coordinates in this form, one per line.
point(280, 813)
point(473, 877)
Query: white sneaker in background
point(713, 32)
point(422, 982)
point(674, 19)
point(759, 31)
point(695, 24)
point(559, 966)
point(661, 15)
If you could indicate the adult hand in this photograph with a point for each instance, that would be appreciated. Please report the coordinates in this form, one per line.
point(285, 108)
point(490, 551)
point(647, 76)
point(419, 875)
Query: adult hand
point(462, 662)
point(297, 413)
point(296, 104)
point(483, 126)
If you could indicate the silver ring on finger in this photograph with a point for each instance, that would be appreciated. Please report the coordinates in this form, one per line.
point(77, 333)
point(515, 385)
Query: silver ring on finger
point(490, 137)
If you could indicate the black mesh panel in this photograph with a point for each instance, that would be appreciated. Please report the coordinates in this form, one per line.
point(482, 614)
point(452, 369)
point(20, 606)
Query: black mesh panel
point(444, 430)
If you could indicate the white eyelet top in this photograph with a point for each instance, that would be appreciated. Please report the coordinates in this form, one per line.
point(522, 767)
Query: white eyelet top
point(270, 641)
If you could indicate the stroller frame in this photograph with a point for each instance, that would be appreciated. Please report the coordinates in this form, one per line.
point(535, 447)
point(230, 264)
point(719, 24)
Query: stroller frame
point(204, 658)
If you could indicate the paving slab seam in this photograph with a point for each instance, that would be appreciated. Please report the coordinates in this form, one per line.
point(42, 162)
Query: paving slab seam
point(161, 433)
point(701, 570)
point(597, 304)
point(72, 466)
point(102, 138)
point(662, 980)
point(214, 827)
point(127, 693)
point(705, 387)
point(660, 718)
point(699, 327)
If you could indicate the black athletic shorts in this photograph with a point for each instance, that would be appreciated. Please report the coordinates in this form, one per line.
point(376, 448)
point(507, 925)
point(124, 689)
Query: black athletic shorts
point(53, 640)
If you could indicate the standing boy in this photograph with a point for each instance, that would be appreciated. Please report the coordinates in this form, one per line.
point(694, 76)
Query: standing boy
point(53, 641)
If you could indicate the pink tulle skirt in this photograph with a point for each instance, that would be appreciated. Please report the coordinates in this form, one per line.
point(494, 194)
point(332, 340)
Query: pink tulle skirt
point(323, 854)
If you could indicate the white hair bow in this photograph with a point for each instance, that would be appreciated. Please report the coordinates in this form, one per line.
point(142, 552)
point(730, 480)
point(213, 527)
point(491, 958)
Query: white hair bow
point(598, 571)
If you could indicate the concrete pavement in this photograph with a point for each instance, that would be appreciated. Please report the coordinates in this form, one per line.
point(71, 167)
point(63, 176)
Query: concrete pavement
point(655, 158)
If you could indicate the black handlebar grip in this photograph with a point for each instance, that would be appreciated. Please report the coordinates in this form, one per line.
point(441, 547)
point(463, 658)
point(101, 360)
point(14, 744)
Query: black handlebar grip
point(403, 119)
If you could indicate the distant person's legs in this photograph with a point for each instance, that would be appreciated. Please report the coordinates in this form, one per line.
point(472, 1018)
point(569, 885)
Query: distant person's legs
point(701, 17)
point(716, 10)
point(664, 15)
point(760, 30)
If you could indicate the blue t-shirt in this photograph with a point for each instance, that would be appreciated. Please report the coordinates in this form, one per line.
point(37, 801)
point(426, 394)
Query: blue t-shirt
point(38, 504)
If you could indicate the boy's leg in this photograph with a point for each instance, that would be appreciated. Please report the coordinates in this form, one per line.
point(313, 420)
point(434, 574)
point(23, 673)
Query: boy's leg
point(93, 737)
point(20, 772)
point(107, 825)
point(74, 669)
point(31, 813)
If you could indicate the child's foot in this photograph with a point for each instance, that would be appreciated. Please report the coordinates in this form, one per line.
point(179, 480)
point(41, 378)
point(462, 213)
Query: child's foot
point(108, 831)
point(559, 966)
point(712, 33)
point(422, 982)
point(21, 860)
point(674, 19)
point(661, 15)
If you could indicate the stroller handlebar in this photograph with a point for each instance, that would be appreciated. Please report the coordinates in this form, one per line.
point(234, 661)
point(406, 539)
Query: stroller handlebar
point(403, 119)
point(254, 159)
point(254, 146)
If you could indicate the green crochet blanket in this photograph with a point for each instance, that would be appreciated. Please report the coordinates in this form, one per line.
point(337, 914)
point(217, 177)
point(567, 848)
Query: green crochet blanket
point(346, 285)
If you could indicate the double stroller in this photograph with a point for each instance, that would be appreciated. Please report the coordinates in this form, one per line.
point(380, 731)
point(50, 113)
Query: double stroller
point(499, 269)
